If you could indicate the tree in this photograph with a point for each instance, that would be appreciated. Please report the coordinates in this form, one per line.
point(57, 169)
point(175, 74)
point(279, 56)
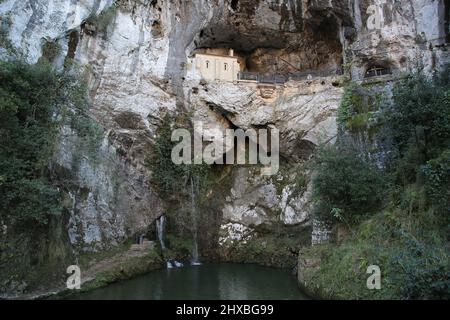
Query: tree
point(35, 101)
point(345, 186)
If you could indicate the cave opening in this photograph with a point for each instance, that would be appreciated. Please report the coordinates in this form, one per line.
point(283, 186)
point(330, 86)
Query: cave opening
point(273, 53)
point(157, 29)
point(234, 4)
point(284, 62)
point(306, 47)
point(74, 39)
point(377, 71)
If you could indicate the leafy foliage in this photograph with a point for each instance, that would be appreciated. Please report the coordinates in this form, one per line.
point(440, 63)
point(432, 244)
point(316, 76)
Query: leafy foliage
point(437, 181)
point(35, 101)
point(50, 51)
point(104, 19)
point(421, 270)
point(419, 122)
point(187, 189)
point(356, 112)
point(5, 42)
point(411, 267)
point(409, 239)
point(171, 179)
point(419, 118)
point(346, 187)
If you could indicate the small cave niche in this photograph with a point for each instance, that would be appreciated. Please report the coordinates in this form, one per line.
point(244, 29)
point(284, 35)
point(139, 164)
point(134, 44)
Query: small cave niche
point(129, 120)
point(377, 70)
point(74, 39)
point(234, 5)
point(244, 145)
point(304, 150)
point(157, 30)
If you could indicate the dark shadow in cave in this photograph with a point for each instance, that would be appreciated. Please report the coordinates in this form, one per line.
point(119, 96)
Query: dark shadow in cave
point(265, 49)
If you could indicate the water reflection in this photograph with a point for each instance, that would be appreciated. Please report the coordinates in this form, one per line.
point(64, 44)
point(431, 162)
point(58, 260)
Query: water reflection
point(209, 282)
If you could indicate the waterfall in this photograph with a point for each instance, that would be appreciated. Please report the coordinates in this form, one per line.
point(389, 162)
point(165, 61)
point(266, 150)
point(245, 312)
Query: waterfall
point(160, 230)
point(173, 264)
point(195, 260)
point(160, 224)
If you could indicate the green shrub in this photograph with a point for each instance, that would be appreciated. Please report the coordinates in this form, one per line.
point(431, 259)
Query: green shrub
point(345, 186)
point(171, 179)
point(410, 240)
point(167, 176)
point(412, 267)
point(419, 117)
point(193, 194)
point(5, 42)
point(356, 111)
point(179, 248)
point(103, 20)
point(418, 121)
point(437, 183)
point(50, 51)
point(421, 270)
point(36, 101)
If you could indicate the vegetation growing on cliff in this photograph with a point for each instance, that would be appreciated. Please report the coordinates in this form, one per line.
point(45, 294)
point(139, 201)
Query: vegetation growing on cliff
point(187, 188)
point(358, 108)
point(171, 179)
point(104, 20)
point(5, 42)
point(407, 231)
point(347, 187)
point(28, 135)
point(36, 102)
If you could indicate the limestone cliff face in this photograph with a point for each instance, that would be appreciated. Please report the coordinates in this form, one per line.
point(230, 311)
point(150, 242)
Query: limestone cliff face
point(410, 34)
point(135, 54)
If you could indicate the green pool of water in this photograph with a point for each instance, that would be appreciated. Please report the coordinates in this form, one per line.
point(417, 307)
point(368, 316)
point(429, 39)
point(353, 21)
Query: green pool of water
point(208, 282)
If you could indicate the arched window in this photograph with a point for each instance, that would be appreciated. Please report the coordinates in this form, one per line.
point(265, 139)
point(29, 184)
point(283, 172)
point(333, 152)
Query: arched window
point(225, 66)
point(376, 71)
point(207, 64)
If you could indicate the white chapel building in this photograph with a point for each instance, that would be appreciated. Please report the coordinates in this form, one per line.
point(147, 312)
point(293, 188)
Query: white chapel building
point(209, 66)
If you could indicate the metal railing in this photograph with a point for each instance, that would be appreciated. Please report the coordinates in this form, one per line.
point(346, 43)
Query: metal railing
point(272, 79)
point(248, 76)
point(281, 79)
point(262, 78)
point(306, 75)
point(376, 72)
